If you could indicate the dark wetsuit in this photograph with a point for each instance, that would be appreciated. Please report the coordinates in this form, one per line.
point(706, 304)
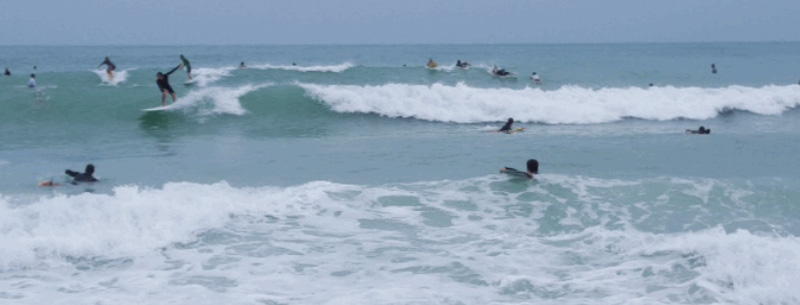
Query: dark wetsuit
point(506, 127)
point(502, 72)
point(8, 73)
point(111, 65)
point(163, 83)
point(516, 172)
point(187, 65)
point(81, 177)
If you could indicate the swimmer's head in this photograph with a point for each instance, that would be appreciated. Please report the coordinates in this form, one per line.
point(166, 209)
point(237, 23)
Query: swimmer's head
point(90, 168)
point(510, 120)
point(33, 75)
point(533, 166)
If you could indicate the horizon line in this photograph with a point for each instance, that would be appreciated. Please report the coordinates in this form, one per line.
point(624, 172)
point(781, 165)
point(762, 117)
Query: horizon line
point(390, 44)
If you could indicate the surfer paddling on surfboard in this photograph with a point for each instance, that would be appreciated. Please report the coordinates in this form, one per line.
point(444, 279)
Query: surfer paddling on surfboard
point(533, 169)
point(162, 80)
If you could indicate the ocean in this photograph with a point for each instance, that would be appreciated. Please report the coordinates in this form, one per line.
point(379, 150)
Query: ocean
point(354, 175)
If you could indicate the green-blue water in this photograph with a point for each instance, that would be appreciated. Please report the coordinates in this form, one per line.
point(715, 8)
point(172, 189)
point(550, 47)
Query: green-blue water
point(358, 176)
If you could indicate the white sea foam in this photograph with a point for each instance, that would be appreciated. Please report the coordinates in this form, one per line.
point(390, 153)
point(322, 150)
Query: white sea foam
point(205, 76)
point(119, 77)
point(487, 240)
point(318, 68)
point(567, 105)
point(216, 100)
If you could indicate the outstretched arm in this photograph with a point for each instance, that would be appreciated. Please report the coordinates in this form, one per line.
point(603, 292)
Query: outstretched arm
point(173, 70)
point(71, 173)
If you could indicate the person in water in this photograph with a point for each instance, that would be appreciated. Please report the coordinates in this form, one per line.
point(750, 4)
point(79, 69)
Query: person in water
point(162, 80)
point(110, 67)
point(7, 73)
point(701, 130)
point(82, 177)
point(713, 69)
point(500, 72)
point(536, 79)
point(507, 126)
point(185, 63)
point(242, 66)
point(533, 169)
point(432, 64)
point(32, 81)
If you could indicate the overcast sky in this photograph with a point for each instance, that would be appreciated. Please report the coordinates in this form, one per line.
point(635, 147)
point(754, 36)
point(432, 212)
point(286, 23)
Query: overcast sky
point(180, 22)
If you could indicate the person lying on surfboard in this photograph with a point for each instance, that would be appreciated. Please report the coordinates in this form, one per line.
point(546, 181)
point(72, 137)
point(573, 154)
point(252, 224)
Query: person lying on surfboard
point(507, 126)
point(533, 169)
point(82, 177)
point(110, 67)
point(162, 80)
point(500, 72)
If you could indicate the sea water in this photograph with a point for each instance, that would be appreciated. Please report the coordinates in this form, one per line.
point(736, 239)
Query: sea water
point(353, 175)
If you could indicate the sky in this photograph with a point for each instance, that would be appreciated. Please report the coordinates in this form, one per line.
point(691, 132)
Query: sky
point(224, 22)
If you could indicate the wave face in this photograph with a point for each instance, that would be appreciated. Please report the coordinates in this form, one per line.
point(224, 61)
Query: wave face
point(567, 105)
point(564, 239)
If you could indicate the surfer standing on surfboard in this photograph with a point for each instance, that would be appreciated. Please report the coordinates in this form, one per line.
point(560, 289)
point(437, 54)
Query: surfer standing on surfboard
point(162, 80)
point(110, 67)
point(188, 67)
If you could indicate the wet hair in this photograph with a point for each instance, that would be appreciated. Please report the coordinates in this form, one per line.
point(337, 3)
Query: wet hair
point(33, 75)
point(534, 73)
point(511, 120)
point(159, 74)
point(89, 168)
point(533, 166)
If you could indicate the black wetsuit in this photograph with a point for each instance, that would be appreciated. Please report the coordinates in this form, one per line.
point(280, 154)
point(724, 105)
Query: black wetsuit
point(506, 127)
point(516, 172)
point(163, 83)
point(80, 177)
point(111, 65)
point(8, 73)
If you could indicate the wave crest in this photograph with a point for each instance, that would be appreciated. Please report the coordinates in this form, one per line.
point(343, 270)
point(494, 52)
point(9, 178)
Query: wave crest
point(567, 105)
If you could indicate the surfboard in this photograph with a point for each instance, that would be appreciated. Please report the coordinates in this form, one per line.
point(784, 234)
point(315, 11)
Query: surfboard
point(189, 82)
point(519, 129)
point(160, 108)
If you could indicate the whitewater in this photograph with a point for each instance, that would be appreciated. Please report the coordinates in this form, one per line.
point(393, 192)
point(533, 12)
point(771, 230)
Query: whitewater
point(354, 175)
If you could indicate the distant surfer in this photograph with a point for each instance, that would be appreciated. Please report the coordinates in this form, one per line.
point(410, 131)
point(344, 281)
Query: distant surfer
point(185, 63)
point(536, 79)
point(701, 130)
point(7, 73)
point(500, 72)
point(242, 66)
point(713, 69)
point(82, 177)
point(432, 64)
point(532, 166)
point(294, 64)
point(651, 84)
point(110, 67)
point(162, 80)
point(507, 126)
point(32, 81)
point(462, 64)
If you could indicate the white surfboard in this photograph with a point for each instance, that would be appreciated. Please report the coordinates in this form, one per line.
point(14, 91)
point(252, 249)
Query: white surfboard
point(160, 108)
point(189, 82)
